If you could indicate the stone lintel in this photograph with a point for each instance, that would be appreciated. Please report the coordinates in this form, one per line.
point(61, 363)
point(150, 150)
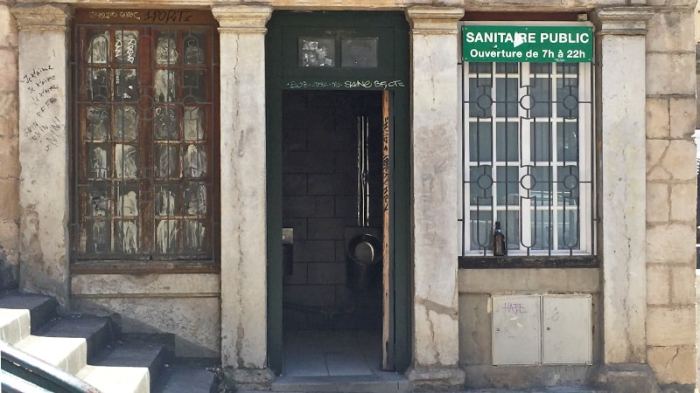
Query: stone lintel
point(242, 19)
point(622, 20)
point(434, 20)
point(45, 17)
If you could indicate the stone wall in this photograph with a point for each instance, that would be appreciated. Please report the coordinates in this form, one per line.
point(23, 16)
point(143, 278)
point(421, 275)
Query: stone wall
point(9, 156)
point(671, 195)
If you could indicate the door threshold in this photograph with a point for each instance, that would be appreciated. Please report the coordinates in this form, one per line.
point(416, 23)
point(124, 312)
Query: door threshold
point(383, 383)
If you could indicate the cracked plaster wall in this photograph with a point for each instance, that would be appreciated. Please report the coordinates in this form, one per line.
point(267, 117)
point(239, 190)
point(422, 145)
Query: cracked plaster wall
point(9, 151)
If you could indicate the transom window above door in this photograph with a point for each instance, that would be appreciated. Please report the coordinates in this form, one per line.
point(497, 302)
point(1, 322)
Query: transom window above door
point(145, 140)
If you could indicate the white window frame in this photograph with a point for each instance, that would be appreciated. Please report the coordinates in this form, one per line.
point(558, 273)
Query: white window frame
point(585, 164)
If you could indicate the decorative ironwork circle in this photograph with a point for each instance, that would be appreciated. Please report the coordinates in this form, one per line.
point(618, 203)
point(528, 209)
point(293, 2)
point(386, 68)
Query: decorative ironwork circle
point(527, 102)
point(570, 181)
point(484, 102)
point(484, 181)
point(528, 181)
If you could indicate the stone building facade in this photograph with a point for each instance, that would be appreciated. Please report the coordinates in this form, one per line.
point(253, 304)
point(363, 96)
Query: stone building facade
point(636, 276)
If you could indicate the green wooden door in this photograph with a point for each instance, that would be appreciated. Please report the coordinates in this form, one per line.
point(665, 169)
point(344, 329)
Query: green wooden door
point(342, 51)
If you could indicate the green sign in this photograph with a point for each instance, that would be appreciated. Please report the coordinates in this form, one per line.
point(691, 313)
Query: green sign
point(536, 44)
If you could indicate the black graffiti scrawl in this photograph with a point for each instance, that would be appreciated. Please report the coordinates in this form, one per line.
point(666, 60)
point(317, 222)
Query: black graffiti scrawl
point(46, 127)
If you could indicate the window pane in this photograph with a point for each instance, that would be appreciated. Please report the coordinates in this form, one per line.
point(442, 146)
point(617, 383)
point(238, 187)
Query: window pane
point(480, 184)
point(480, 141)
point(166, 49)
point(126, 124)
point(98, 84)
point(194, 48)
point(359, 52)
point(168, 161)
point(507, 189)
point(316, 52)
point(165, 123)
point(567, 141)
point(193, 120)
point(97, 157)
point(125, 85)
point(164, 86)
point(195, 162)
point(510, 224)
point(481, 225)
point(194, 235)
point(506, 97)
point(568, 229)
point(193, 86)
point(98, 48)
point(166, 236)
point(98, 238)
point(126, 46)
point(98, 199)
point(97, 123)
point(568, 183)
point(126, 237)
point(127, 202)
point(540, 232)
point(567, 98)
point(541, 97)
point(196, 199)
point(540, 145)
point(507, 141)
point(480, 97)
point(165, 200)
point(507, 68)
point(125, 161)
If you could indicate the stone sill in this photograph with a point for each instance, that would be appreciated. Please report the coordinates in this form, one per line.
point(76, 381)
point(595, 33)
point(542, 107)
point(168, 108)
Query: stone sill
point(144, 267)
point(531, 261)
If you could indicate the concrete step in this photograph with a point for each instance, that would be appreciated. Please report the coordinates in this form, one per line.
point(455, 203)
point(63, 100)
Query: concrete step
point(98, 332)
point(184, 376)
point(136, 353)
point(389, 383)
point(41, 308)
point(68, 354)
point(116, 379)
point(14, 325)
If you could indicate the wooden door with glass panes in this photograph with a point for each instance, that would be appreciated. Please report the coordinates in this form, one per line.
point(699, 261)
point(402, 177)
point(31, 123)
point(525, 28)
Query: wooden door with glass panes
point(145, 135)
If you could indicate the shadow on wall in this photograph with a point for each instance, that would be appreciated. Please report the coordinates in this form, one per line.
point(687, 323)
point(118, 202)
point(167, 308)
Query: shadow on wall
point(9, 274)
point(196, 335)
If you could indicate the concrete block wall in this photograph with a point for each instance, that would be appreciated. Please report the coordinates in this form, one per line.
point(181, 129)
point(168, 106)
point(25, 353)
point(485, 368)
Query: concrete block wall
point(319, 202)
point(9, 150)
point(671, 194)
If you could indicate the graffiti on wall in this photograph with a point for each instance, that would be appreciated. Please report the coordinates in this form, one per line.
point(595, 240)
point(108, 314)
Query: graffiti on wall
point(45, 126)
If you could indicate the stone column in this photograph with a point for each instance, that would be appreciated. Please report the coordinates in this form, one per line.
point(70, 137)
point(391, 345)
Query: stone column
point(621, 90)
point(435, 153)
point(243, 189)
point(43, 149)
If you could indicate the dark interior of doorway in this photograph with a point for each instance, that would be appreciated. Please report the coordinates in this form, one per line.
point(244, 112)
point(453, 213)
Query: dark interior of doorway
point(332, 215)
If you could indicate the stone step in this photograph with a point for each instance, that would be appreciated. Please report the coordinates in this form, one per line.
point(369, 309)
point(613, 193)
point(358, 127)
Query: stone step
point(14, 325)
point(98, 332)
point(346, 384)
point(41, 308)
point(116, 379)
point(68, 354)
point(136, 353)
point(187, 377)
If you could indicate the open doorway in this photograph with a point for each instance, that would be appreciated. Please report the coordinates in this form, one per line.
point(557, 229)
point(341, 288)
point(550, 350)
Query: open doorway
point(332, 215)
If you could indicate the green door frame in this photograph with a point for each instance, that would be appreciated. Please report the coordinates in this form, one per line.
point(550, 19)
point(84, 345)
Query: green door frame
point(392, 73)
